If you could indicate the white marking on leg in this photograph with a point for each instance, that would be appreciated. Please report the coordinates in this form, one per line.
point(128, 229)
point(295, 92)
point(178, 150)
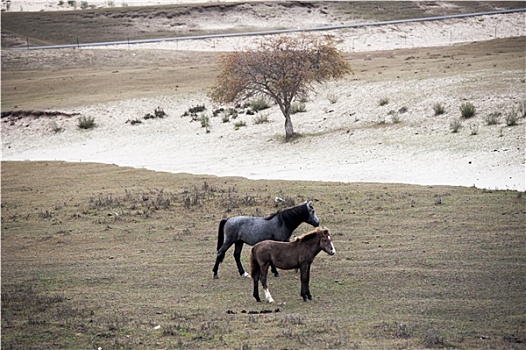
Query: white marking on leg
point(247, 275)
point(268, 296)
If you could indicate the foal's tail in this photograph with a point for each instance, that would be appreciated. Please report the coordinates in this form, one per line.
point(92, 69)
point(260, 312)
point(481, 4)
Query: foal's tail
point(221, 234)
point(254, 265)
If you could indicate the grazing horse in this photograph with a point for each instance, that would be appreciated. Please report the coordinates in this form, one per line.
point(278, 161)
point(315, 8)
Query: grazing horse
point(251, 230)
point(289, 255)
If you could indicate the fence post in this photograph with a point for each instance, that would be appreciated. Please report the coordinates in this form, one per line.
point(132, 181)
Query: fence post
point(78, 43)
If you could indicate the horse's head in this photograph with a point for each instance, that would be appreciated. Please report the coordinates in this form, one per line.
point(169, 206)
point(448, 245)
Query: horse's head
point(326, 241)
point(313, 219)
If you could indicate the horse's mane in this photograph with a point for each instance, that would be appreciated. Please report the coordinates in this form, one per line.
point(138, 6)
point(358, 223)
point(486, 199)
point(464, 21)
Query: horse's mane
point(284, 211)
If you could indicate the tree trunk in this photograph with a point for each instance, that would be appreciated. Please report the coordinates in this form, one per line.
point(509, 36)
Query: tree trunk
point(289, 129)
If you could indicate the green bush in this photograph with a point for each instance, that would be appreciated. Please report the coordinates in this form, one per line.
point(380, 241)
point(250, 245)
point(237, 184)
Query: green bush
point(239, 124)
point(467, 110)
point(438, 108)
point(86, 123)
point(512, 117)
point(259, 105)
point(383, 101)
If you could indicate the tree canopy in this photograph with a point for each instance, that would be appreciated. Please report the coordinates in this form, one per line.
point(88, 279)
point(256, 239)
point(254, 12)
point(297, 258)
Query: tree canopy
point(280, 67)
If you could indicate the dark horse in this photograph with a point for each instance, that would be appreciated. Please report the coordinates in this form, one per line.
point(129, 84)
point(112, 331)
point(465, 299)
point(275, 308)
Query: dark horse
point(251, 230)
point(289, 255)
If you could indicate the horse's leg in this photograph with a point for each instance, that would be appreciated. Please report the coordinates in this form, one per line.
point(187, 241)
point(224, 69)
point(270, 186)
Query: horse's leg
point(308, 281)
point(255, 276)
point(264, 271)
point(220, 256)
point(237, 256)
point(274, 270)
point(304, 277)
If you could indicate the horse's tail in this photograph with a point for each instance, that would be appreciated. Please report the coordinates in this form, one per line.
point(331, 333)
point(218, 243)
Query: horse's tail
point(254, 265)
point(221, 234)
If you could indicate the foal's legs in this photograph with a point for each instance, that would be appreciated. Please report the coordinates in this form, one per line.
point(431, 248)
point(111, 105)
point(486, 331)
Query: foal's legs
point(305, 276)
point(255, 278)
point(264, 271)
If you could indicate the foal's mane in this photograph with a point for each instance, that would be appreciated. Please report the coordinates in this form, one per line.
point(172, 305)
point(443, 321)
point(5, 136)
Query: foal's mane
point(310, 235)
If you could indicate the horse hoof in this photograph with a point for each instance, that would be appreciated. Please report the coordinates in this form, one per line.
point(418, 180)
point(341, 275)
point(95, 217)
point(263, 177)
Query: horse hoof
point(276, 274)
point(216, 277)
point(246, 275)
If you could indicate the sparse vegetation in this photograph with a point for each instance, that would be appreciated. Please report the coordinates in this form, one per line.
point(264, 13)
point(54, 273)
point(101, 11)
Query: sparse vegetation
point(332, 97)
point(239, 124)
point(512, 117)
point(261, 119)
point(522, 109)
point(86, 123)
point(439, 109)
point(467, 110)
point(55, 127)
point(455, 125)
point(259, 104)
point(298, 108)
point(474, 129)
point(157, 113)
point(383, 101)
point(205, 122)
point(492, 118)
point(395, 117)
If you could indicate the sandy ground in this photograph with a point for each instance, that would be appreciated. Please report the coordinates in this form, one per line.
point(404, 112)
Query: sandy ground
point(352, 140)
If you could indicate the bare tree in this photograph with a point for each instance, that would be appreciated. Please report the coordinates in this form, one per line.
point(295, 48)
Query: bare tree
point(280, 67)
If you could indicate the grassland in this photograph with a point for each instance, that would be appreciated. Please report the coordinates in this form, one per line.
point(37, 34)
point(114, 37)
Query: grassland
point(100, 256)
point(103, 256)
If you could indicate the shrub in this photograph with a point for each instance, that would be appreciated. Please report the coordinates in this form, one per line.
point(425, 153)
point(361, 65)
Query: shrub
point(455, 125)
point(239, 124)
point(86, 123)
point(439, 108)
point(395, 117)
point(512, 117)
point(492, 118)
point(157, 113)
point(205, 122)
point(474, 128)
point(383, 101)
point(55, 127)
point(134, 121)
point(298, 108)
point(467, 110)
point(260, 119)
point(332, 97)
point(259, 105)
point(84, 5)
point(522, 109)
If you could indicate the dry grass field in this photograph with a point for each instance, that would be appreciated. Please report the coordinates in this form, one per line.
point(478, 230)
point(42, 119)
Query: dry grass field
point(100, 256)
point(108, 257)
